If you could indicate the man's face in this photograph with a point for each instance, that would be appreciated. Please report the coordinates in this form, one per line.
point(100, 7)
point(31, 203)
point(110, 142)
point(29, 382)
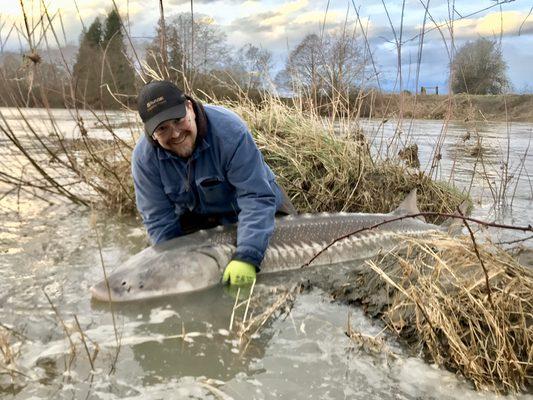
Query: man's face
point(178, 135)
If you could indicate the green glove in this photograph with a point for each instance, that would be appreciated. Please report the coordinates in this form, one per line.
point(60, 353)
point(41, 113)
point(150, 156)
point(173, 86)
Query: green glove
point(239, 273)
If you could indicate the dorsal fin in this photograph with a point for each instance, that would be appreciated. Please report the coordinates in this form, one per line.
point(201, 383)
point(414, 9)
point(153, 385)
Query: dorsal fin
point(409, 206)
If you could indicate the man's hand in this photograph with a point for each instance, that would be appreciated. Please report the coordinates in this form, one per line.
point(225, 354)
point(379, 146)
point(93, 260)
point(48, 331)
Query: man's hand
point(239, 273)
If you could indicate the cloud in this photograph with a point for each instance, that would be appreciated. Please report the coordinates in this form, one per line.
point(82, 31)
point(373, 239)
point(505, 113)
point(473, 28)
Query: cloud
point(508, 23)
point(292, 7)
point(254, 23)
point(251, 3)
point(317, 17)
point(270, 20)
point(495, 22)
point(287, 23)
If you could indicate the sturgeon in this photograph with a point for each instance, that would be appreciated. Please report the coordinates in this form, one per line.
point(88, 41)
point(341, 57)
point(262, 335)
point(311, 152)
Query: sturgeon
point(197, 261)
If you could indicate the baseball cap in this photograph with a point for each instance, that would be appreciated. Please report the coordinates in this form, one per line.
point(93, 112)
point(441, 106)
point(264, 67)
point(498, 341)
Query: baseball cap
point(159, 101)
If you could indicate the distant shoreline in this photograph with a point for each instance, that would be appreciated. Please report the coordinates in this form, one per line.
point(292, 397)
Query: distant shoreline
point(460, 107)
point(511, 107)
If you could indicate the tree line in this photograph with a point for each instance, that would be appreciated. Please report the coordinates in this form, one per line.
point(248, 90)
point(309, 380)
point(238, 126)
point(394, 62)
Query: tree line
point(323, 68)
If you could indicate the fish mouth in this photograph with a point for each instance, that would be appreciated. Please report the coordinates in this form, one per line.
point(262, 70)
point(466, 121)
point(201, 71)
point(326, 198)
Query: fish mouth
point(99, 294)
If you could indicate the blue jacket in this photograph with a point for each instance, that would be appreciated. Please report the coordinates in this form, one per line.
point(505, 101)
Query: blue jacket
point(226, 174)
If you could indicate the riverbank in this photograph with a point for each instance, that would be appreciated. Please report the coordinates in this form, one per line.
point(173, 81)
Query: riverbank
point(513, 107)
point(464, 306)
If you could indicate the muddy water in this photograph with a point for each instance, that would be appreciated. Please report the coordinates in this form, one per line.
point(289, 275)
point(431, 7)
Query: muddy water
point(492, 161)
point(180, 347)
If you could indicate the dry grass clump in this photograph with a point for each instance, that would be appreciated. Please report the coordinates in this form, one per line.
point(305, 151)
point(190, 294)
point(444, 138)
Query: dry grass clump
point(435, 294)
point(327, 166)
point(10, 376)
point(107, 169)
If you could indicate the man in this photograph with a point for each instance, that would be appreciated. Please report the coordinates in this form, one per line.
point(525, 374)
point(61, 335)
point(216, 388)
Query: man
point(197, 167)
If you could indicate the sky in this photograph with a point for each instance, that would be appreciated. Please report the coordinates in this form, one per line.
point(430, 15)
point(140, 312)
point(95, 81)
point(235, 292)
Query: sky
point(280, 25)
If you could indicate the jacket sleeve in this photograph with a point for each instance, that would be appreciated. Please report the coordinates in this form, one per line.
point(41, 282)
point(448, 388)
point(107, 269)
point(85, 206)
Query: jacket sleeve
point(247, 172)
point(156, 209)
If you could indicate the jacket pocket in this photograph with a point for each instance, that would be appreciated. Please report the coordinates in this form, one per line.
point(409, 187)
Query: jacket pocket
point(215, 194)
point(183, 201)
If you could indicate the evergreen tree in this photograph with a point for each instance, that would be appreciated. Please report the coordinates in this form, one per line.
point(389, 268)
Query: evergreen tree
point(175, 56)
point(154, 58)
point(119, 75)
point(87, 67)
point(94, 34)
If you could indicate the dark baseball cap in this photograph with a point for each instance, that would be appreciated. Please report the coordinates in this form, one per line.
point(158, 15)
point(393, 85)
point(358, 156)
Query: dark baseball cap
point(158, 102)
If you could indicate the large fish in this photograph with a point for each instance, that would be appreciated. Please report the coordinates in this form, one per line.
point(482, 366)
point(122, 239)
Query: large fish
point(196, 261)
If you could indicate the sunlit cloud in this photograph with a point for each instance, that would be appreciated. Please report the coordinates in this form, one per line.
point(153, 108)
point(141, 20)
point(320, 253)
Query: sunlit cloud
point(292, 7)
point(492, 25)
point(273, 17)
point(253, 6)
point(317, 17)
point(273, 20)
point(279, 16)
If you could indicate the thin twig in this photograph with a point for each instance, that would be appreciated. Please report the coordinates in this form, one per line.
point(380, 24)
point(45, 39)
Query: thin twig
point(14, 332)
point(65, 329)
point(248, 302)
point(117, 339)
point(487, 283)
point(82, 335)
point(233, 310)
point(516, 241)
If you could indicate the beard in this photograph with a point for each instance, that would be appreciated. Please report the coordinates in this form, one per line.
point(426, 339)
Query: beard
point(182, 149)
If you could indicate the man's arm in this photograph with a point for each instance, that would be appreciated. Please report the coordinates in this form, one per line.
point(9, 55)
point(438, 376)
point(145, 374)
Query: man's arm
point(246, 171)
point(156, 209)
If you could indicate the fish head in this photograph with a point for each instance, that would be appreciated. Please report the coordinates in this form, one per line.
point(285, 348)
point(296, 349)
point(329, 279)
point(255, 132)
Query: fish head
point(160, 273)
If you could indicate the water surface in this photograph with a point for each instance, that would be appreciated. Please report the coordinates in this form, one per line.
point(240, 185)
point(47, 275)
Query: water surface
point(180, 347)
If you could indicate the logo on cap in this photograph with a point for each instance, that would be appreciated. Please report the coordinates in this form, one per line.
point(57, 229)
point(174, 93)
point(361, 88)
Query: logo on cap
point(154, 103)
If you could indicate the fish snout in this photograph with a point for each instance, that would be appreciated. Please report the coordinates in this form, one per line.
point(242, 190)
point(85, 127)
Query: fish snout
point(101, 292)
point(117, 289)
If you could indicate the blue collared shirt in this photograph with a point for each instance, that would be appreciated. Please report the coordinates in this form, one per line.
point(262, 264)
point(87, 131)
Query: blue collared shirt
point(226, 174)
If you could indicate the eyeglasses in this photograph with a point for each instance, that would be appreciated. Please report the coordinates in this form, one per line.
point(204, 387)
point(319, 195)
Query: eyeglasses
point(165, 130)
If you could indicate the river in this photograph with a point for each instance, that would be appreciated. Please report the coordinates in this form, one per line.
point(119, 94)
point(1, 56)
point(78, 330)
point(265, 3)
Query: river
point(180, 347)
